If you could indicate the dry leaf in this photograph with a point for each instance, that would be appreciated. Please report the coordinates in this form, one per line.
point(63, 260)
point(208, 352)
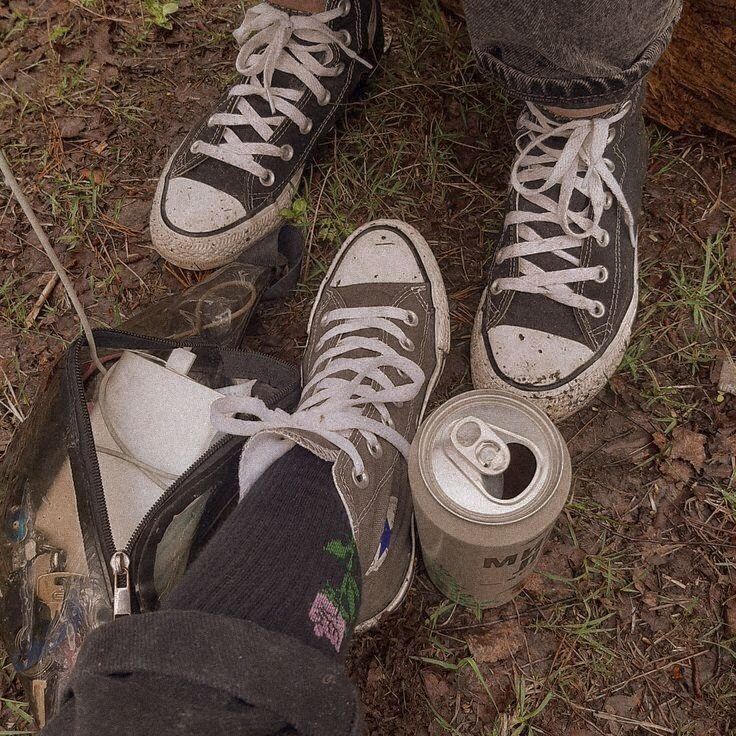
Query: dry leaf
point(71, 127)
point(688, 445)
point(730, 616)
point(501, 642)
point(436, 686)
point(96, 175)
point(624, 706)
point(727, 379)
point(134, 214)
point(677, 470)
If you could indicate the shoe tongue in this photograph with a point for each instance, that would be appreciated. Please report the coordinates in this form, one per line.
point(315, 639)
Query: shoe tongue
point(578, 203)
point(559, 115)
point(302, 6)
point(312, 442)
point(363, 295)
point(280, 80)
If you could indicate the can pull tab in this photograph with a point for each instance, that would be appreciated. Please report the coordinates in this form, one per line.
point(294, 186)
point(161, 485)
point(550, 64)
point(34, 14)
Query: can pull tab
point(120, 564)
point(479, 446)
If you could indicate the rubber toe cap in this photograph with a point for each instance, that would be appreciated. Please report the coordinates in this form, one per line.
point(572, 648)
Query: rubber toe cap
point(378, 256)
point(533, 357)
point(195, 207)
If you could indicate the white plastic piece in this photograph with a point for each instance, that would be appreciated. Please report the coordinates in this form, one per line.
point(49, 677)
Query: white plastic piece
point(163, 418)
point(181, 361)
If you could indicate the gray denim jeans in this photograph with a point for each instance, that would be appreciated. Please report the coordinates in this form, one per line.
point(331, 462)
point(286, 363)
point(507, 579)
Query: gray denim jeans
point(577, 53)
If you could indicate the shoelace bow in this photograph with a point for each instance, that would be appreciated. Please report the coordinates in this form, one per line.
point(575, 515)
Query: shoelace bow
point(271, 40)
point(343, 387)
point(578, 166)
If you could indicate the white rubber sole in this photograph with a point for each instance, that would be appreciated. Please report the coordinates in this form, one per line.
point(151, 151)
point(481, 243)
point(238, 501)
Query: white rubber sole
point(563, 401)
point(442, 348)
point(212, 251)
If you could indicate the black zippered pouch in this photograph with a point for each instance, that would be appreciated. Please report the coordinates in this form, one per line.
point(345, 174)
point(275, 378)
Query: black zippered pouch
point(62, 569)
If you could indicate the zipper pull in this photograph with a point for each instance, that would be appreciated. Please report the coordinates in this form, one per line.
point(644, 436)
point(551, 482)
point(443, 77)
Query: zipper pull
point(120, 564)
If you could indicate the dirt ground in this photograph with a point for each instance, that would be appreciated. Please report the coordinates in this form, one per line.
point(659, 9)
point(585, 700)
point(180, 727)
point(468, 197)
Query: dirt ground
point(629, 624)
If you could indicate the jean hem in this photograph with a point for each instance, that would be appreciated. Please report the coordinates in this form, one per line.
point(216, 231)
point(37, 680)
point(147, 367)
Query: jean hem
point(580, 92)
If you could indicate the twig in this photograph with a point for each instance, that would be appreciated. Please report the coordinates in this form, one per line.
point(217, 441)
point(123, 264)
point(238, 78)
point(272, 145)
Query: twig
point(25, 205)
point(648, 725)
point(665, 666)
point(310, 238)
point(45, 294)
point(113, 18)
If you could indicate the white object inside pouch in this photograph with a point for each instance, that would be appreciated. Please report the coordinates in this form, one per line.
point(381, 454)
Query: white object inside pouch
point(150, 423)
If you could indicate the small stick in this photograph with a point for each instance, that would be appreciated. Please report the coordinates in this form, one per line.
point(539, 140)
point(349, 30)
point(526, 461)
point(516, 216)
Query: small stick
point(45, 294)
point(25, 205)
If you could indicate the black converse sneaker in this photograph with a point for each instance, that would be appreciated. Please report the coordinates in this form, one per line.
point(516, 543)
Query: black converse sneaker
point(556, 317)
point(239, 168)
point(378, 337)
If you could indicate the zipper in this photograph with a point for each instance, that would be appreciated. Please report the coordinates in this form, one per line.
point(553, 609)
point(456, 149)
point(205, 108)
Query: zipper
point(120, 564)
point(151, 513)
point(119, 559)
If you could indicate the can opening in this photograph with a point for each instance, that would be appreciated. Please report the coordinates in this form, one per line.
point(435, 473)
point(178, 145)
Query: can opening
point(516, 478)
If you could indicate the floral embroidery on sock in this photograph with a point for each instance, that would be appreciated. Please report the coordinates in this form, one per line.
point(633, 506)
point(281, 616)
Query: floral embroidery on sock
point(328, 622)
point(334, 607)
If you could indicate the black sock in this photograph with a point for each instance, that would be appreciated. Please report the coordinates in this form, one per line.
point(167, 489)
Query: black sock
point(285, 559)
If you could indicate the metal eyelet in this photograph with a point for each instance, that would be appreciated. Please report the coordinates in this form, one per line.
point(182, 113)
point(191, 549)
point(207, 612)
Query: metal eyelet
point(598, 310)
point(347, 39)
point(325, 99)
point(361, 480)
point(611, 166)
point(605, 241)
point(267, 179)
point(287, 152)
point(609, 201)
point(345, 7)
point(495, 288)
point(602, 276)
point(306, 129)
point(194, 148)
point(411, 319)
point(376, 450)
point(407, 344)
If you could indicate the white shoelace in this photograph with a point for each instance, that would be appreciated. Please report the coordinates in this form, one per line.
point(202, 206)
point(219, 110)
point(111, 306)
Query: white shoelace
point(343, 387)
point(578, 166)
point(272, 41)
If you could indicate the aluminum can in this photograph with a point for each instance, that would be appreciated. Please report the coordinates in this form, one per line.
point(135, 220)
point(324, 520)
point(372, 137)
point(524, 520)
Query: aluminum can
point(489, 474)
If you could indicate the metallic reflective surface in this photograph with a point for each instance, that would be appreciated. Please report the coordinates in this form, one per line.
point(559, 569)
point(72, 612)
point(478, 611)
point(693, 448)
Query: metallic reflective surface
point(489, 475)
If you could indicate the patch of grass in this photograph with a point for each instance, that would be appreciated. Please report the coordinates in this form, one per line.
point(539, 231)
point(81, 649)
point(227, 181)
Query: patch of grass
point(16, 26)
point(57, 33)
point(75, 201)
point(530, 702)
point(72, 86)
point(159, 14)
point(14, 303)
point(701, 289)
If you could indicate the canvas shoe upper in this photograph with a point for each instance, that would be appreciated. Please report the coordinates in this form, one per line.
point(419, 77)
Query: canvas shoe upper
point(379, 333)
point(556, 317)
point(234, 173)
